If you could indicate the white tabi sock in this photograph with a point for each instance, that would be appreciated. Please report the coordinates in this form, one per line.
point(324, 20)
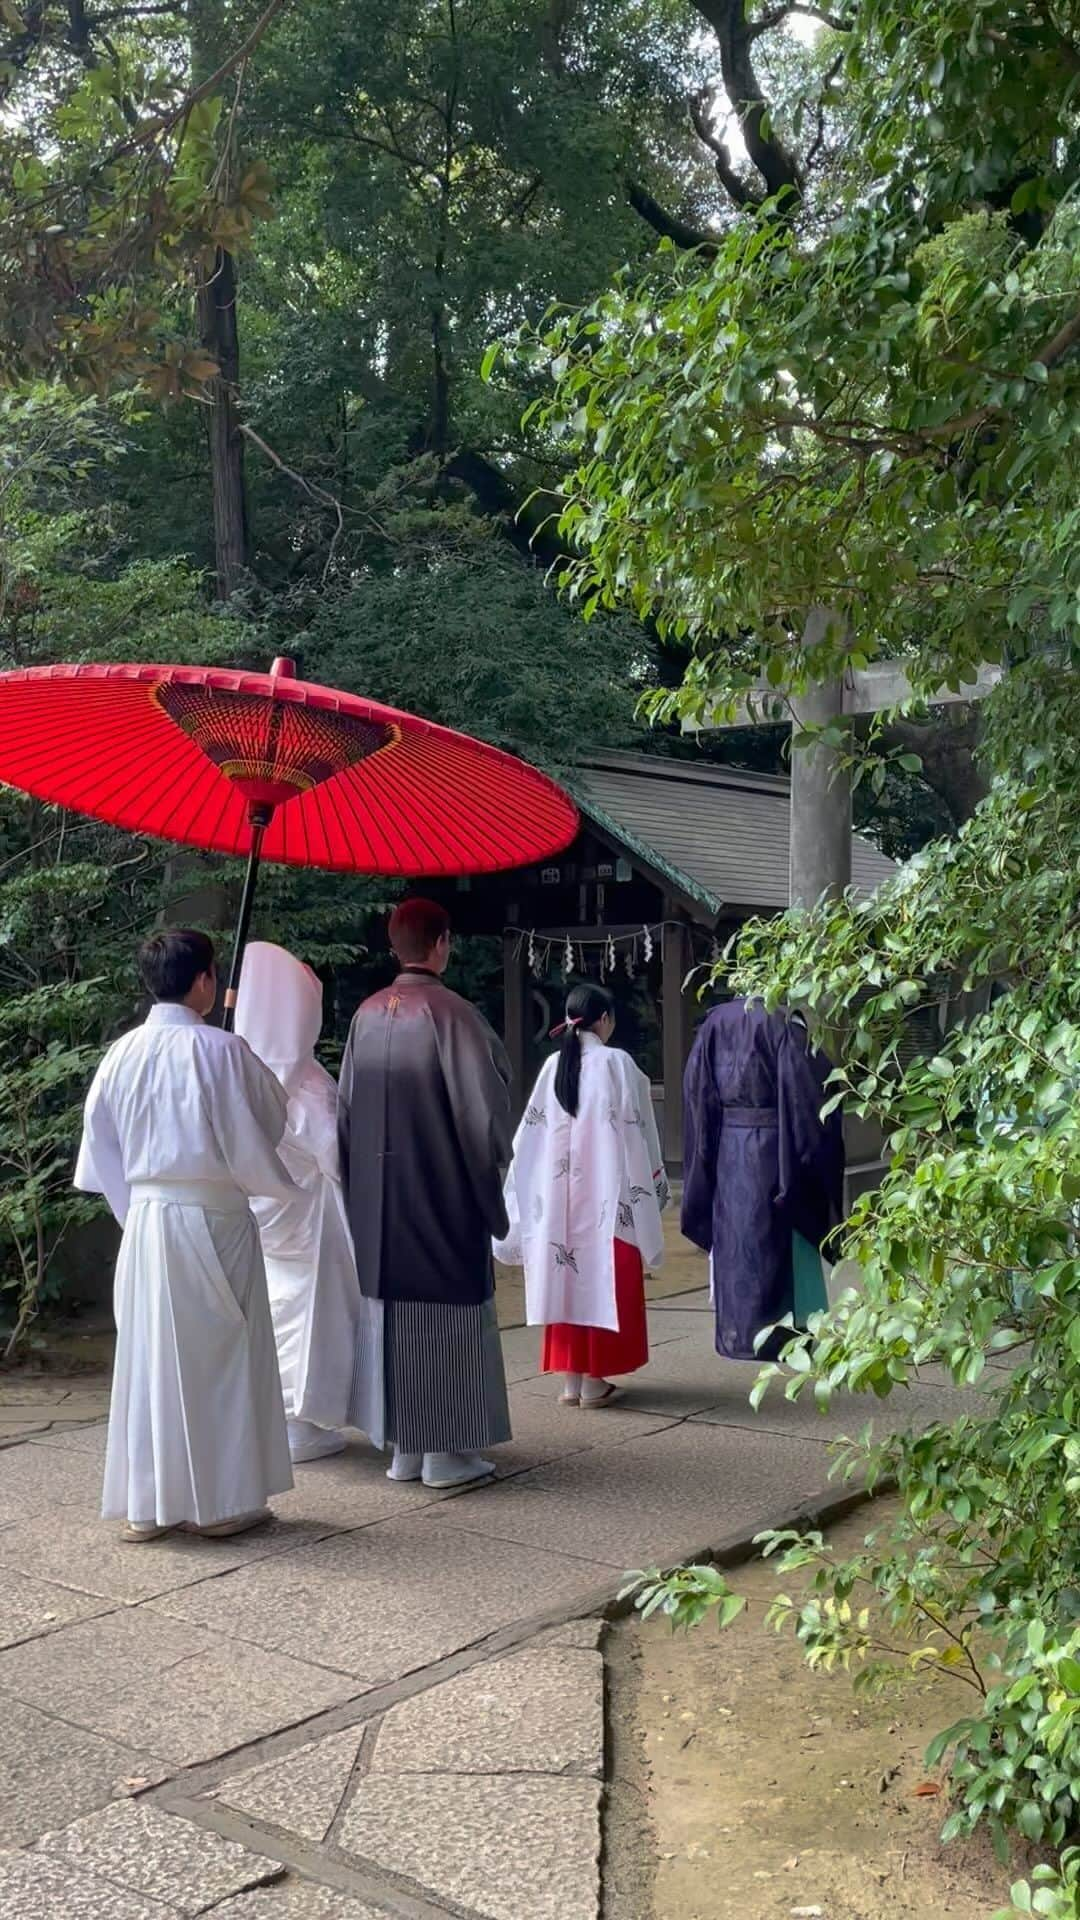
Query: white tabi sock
point(593, 1389)
point(405, 1466)
point(309, 1442)
point(456, 1469)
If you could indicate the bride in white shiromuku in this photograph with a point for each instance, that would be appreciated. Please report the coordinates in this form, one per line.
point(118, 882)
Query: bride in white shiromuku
point(329, 1337)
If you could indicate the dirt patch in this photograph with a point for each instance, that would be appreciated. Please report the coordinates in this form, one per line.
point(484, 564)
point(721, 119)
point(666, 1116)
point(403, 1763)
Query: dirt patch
point(773, 1791)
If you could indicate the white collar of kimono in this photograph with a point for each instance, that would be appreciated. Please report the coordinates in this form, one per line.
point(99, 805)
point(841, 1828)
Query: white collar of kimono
point(172, 1013)
point(279, 1010)
point(591, 1039)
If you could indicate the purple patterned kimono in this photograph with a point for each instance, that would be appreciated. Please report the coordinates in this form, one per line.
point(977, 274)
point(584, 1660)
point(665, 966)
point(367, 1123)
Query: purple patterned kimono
point(759, 1164)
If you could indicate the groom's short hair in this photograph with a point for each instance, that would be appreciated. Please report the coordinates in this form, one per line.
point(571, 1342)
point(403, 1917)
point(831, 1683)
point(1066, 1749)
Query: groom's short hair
point(171, 961)
point(416, 927)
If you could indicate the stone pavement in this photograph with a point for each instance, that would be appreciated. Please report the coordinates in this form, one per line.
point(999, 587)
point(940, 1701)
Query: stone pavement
point(31, 1405)
point(390, 1702)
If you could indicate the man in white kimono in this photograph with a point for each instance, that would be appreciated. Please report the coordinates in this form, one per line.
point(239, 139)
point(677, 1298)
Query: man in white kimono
point(182, 1125)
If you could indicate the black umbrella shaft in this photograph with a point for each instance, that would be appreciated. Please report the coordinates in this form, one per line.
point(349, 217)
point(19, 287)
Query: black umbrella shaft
point(247, 902)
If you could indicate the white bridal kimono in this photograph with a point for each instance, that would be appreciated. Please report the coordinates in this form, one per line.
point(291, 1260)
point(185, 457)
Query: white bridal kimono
point(577, 1184)
point(182, 1124)
point(328, 1336)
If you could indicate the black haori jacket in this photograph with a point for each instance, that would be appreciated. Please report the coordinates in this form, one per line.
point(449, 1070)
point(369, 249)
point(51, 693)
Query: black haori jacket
point(424, 1126)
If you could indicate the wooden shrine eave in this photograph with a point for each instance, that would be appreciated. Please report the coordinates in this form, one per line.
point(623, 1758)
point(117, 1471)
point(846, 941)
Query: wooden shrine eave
point(659, 838)
point(698, 904)
point(714, 840)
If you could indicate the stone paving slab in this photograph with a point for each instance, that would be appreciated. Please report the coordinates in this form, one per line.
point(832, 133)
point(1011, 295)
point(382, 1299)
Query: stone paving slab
point(302, 1792)
point(588, 1634)
point(51, 1771)
point(505, 1849)
point(521, 1353)
point(544, 1430)
point(679, 1380)
point(477, 1788)
point(541, 1711)
point(88, 1440)
point(847, 1416)
point(298, 1900)
point(144, 1680)
point(36, 1479)
point(32, 1888)
point(646, 1500)
point(17, 1428)
point(695, 1301)
point(349, 1490)
point(29, 1406)
point(186, 1867)
point(93, 1553)
point(387, 1600)
point(29, 1606)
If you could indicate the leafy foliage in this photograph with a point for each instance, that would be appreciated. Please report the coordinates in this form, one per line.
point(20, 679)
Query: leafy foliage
point(119, 181)
point(483, 603)
point(686, 1597)
point(863, 401)
point(874, 414)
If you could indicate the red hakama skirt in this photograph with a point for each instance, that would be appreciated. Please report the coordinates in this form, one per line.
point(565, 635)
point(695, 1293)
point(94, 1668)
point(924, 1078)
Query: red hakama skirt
point(598, 1351)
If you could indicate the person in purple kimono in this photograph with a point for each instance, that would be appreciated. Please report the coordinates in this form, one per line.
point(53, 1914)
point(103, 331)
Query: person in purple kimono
point(763, 1174)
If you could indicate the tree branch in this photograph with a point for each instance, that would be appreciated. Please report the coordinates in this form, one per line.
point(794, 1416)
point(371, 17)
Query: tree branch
point(735, 188)
point(668, 225)
point(316, 493)
point(165, 122)
point(534, 535)
point(778, 168)
point(1055, 349)
point(946, 746)
point(778, 15)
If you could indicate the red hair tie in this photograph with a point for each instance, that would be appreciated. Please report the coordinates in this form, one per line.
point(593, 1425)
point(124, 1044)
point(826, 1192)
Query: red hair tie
point(565, 1026)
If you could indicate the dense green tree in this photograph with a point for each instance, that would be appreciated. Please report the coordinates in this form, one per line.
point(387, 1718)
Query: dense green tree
point(865, 397)
point(304, 431)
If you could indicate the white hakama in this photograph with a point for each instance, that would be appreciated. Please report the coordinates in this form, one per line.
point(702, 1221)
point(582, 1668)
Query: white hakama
point(329, 1338)
point(182, 1124)
point(192, 1432)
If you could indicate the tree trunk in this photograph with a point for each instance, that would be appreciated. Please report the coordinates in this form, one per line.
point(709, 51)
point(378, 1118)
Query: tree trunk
point(946, 745)
point(219, 336)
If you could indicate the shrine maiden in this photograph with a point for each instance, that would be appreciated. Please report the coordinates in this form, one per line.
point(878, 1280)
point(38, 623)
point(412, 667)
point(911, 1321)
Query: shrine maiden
point(328, 1337)
point(424, 1123)
point(182, 1125)
point(584, 1196)
point(763, 1174)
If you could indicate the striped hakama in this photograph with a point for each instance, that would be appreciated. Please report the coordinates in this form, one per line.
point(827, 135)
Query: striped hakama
point(445, 1383)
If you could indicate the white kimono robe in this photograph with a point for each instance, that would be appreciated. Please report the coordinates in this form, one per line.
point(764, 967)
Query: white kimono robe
point(182, 1124)
point(329, 1338)
point(577, 1184)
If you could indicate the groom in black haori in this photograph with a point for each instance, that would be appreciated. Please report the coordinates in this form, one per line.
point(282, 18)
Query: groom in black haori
point(763, 1174)
point(424, 1126)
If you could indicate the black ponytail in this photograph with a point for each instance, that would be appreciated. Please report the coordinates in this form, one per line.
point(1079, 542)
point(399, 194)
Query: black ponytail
point(585, 1006)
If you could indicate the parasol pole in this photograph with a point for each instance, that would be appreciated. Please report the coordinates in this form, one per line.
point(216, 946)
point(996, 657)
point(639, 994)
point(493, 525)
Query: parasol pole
point(260, 818)
point(260, 814)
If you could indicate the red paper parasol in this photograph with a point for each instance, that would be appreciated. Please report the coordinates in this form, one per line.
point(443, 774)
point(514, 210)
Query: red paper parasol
point(274, 768)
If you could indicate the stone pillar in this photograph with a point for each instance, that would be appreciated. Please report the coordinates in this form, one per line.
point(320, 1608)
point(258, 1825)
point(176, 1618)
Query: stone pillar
point(675, 964)
point(820, 856)
point(515, 1002)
